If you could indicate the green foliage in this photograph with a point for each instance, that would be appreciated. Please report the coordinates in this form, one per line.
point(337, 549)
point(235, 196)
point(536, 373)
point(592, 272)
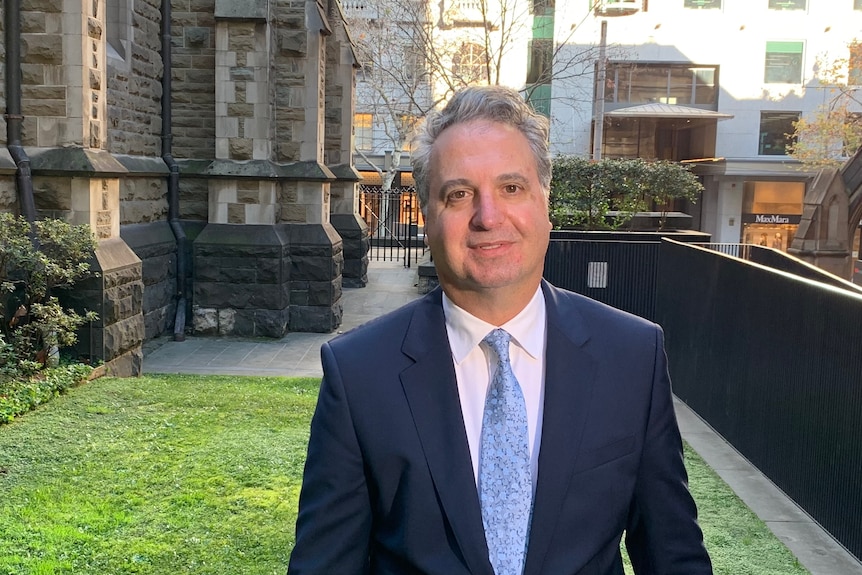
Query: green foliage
point(830, 135)
point(606, 194)
point(832, 132)
point(23, 394)
point(34, 262)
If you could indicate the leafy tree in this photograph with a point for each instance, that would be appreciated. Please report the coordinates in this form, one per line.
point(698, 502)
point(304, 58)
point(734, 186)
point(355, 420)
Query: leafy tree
point(607, 194)
point(32, 267)
point(833, 132)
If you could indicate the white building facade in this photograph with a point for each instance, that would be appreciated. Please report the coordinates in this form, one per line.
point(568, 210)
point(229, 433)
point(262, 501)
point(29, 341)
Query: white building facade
point(717, 83)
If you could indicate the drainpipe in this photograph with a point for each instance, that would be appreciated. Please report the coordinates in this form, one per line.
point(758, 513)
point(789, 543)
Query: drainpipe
point(14, 118)
point(174, 176)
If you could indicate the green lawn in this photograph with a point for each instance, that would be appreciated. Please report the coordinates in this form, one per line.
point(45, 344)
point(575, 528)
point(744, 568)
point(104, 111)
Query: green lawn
point(188, 474)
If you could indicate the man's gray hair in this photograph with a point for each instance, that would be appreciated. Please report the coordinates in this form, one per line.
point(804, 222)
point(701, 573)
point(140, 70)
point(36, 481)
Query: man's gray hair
point(490, 103)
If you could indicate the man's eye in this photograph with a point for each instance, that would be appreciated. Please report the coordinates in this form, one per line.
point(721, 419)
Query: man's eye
point(512, 188)
point(458, 195)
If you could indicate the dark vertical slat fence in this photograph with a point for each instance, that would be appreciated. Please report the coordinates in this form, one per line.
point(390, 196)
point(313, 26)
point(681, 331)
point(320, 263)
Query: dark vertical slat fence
point(772, 362)
point(616, 268)
point(621, 274)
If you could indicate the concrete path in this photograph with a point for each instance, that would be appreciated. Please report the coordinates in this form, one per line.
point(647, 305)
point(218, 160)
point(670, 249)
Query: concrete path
point(390, 285)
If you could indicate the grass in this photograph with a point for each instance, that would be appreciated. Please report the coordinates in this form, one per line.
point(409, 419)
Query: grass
point(200, 475)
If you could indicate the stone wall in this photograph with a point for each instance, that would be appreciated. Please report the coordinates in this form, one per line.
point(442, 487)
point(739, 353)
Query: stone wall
point(134, 87)
point(193, 39)
point(8, 194)
point(262, 106)
point(117, 296)
point(156, 247)
point(291, 59)
point(242, 280)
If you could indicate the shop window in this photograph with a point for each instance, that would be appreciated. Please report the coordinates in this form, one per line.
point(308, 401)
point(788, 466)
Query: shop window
point(771, 212)
point(854, 64)
point(704, 4)
point(776, 132)
point(788, 4)
point(468, 63)
point(783, 63)
point(681, 84)
point(363, 131)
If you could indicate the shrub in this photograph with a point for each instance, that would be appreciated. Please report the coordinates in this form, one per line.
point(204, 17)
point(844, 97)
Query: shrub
point(35, 261)
point(584, 193)
point(22, 394)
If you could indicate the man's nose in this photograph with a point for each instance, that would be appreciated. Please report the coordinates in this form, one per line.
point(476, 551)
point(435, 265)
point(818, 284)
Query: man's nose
point(487, 210)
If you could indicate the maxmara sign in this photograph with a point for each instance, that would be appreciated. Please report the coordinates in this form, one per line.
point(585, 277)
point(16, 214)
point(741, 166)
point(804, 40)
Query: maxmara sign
point(770, 219)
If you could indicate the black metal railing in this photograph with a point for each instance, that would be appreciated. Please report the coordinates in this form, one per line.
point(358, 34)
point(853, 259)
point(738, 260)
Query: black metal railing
point(395, 223)
point(771, 361)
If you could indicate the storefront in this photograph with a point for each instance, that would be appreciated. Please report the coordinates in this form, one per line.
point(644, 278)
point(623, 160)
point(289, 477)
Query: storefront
point(771, 211)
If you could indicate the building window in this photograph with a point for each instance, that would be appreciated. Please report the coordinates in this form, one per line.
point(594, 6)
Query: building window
point(681, 84)
point(702, 4)
point(362, 131)
point(787, 4)
point(854, 64)
point(118, 32)
point(783, 63)
point(612, 6)
point(776, 132)
point(539, 97)
point(469, 62)
point(366, 72)
point(408, 124)
point(546, 7)
point(540, 66)
point(414, 64)
point(857, 4)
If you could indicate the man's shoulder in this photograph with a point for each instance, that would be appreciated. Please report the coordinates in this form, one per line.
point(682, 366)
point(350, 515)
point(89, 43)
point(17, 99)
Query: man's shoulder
point(571, 306)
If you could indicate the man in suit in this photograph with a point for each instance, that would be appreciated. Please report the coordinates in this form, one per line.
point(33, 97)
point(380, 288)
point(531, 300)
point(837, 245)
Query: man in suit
point(401, 476)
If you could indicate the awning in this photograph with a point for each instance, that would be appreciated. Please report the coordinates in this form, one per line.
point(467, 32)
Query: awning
point(666, 111)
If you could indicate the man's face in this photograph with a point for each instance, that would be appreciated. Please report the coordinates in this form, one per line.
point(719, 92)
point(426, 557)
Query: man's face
point(487, 216)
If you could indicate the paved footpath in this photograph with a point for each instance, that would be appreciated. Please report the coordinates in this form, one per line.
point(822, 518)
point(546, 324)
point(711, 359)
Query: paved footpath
point(389, 286)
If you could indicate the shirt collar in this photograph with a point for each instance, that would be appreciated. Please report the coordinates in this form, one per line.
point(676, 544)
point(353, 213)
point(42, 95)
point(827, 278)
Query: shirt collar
point(466, 331)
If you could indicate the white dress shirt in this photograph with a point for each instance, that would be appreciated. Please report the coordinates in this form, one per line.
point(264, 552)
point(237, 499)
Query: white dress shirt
point(474, 362)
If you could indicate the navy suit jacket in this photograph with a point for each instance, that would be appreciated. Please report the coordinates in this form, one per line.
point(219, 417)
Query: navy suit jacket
point(389, 486)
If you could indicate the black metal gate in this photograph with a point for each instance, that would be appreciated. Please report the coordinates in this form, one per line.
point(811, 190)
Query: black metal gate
point(395, 222)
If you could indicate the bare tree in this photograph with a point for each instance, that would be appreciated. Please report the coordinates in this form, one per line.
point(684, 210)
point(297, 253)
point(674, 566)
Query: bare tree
point(415, 54)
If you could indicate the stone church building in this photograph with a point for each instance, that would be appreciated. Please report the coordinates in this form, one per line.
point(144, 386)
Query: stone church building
point(208, 145)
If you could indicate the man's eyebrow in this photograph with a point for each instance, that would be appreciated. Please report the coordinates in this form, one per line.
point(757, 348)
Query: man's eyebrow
point(454, 183)
point(513, 177)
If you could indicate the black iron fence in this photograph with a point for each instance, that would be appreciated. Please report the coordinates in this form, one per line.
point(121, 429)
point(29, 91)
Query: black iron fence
point(772, 362)
point(395, 222)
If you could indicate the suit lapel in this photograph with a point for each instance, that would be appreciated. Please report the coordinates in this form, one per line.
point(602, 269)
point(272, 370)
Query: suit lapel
point(432, 393)
point(569, 378)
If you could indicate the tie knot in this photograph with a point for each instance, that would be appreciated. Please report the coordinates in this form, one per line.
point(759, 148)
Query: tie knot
point(498, 340)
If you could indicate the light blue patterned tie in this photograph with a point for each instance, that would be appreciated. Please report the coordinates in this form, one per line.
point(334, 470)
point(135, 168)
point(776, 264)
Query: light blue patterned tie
point(505, 486)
